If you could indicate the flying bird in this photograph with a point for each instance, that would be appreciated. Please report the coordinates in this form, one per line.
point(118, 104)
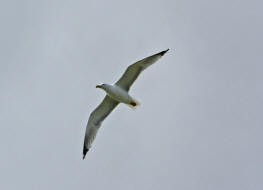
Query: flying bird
point(115, 94)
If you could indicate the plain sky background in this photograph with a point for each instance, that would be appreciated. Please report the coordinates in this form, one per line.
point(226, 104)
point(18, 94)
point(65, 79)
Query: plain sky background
point(199, 126)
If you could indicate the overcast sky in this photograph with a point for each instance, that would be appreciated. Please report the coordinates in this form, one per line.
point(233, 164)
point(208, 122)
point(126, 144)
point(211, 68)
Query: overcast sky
point(199, 126)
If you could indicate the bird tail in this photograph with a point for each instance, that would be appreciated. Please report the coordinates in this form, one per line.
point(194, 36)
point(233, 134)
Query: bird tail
point(134, 104)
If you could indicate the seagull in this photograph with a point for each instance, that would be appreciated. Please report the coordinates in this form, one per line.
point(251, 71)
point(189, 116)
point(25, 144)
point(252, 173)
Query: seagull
point(115, 94)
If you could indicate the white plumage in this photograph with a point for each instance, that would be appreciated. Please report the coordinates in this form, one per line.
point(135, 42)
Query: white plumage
point(117, 93)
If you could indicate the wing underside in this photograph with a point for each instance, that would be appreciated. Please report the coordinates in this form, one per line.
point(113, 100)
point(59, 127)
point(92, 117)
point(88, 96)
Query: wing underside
point(95, 120)
point(133, 71)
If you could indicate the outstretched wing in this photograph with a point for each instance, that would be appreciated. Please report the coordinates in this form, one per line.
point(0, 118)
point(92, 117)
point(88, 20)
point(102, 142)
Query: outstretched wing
point(133, 71)
point(95, 120)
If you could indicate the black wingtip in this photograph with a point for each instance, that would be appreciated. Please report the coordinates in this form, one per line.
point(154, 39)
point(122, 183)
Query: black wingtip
point(163, 52)
point(85, 150)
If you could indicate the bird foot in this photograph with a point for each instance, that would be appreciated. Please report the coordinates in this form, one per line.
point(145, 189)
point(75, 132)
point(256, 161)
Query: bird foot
point(133, 104)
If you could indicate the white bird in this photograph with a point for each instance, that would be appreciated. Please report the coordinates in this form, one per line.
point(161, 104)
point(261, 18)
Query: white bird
point(117, 93)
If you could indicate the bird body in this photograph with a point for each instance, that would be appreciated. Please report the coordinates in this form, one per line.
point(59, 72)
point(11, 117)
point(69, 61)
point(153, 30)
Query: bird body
point(117, 93)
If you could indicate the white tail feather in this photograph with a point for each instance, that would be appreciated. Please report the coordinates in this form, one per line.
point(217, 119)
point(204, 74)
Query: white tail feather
point(136, 102)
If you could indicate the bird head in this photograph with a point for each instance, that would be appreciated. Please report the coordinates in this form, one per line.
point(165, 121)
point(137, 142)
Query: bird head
point(100, 86)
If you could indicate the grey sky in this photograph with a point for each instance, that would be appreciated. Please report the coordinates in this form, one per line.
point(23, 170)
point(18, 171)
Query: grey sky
point(199, 126)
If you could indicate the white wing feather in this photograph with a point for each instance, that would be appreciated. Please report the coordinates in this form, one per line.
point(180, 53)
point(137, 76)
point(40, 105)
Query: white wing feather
point(95, 120)
point(133, 71)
